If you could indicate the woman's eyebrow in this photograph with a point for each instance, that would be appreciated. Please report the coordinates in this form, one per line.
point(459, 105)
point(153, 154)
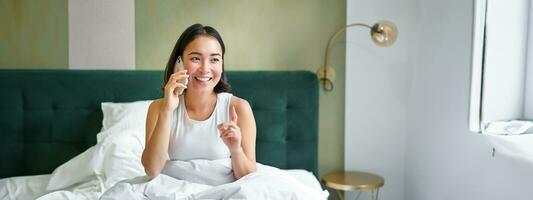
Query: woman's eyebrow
point(199, 54)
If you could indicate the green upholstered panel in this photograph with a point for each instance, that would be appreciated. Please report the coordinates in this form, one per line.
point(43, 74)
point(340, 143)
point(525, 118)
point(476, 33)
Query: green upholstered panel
point(50, 116)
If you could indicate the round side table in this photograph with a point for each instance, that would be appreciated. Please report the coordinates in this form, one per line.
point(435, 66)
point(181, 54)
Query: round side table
point(354, 181)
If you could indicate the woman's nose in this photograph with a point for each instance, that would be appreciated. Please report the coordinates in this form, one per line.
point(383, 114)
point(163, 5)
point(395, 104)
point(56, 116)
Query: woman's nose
point(205, 65)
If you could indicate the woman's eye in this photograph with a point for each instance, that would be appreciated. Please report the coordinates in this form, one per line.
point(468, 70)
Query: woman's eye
point(195, 59)
point(215, 60)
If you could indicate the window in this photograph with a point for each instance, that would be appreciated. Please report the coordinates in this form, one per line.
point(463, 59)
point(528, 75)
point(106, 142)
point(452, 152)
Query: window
point(502, 61)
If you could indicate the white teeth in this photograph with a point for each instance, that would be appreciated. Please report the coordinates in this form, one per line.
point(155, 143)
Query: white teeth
point(203, 79)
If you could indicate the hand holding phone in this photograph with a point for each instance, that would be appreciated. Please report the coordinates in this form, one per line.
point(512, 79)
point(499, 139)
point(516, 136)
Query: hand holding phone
point(180, 66)
point(175, 86)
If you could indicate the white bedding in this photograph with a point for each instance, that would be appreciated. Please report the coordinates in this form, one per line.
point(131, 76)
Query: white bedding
point(23, 187)
point(112, 170)
point(33, 187)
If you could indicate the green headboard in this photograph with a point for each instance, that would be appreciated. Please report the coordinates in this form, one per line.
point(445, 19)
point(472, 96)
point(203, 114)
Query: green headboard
point(50, 116)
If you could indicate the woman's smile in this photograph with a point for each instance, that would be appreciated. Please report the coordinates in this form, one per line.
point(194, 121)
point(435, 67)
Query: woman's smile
point(203, 78)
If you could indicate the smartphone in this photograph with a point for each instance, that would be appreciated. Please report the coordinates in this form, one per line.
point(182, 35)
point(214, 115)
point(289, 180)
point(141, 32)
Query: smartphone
point(179, 65)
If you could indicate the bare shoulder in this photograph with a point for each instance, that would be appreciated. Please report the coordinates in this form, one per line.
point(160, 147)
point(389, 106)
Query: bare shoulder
point(240, 104)
point(155, 106)
point(151, 117)
point(244, 111)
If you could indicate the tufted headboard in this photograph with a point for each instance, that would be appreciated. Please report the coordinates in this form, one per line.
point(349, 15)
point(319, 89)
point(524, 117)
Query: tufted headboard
point(50, 116)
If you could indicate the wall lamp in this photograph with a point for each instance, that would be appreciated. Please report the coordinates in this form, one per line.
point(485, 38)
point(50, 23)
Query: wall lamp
point(383, 33)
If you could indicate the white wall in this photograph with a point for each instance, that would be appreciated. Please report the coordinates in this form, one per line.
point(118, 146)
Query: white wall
point(443, 159)
point(407, 107)
point(376, 93)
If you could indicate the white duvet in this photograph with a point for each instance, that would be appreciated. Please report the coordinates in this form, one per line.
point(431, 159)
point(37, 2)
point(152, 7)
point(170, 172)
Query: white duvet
point(112, 170)
point(165, 187)
point(266, 183)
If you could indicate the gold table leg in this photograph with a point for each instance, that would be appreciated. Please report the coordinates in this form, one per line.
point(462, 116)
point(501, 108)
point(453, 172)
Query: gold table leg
point(358, 194)
point(341, 196)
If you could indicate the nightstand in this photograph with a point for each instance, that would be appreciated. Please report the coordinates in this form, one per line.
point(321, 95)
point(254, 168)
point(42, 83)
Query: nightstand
point(354, 181)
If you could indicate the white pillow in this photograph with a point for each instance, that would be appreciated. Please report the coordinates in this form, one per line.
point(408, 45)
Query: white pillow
point(126, 121)
point(123, 116)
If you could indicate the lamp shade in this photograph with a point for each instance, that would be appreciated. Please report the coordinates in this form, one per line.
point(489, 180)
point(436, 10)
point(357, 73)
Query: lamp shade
point(384, 33)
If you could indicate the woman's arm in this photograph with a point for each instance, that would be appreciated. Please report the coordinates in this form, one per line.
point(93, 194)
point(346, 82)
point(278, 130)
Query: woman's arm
point(158, 121)
point(240, 137)
point(157, 137)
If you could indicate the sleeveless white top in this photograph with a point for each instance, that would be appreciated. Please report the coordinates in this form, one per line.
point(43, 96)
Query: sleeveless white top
point(191, 139)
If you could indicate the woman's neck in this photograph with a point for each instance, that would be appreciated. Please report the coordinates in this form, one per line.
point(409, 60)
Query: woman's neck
point(200, 101)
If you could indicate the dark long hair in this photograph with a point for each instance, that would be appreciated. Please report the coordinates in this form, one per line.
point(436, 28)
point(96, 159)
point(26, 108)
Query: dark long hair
point(194, 31)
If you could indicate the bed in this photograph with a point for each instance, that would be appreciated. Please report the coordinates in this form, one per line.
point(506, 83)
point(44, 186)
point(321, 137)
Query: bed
point(48, 117)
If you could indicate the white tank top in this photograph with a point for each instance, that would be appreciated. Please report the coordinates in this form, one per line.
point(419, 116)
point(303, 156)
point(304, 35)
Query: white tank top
point(191, 139)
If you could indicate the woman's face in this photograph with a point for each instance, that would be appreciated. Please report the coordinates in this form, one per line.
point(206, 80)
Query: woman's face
point(203, 60)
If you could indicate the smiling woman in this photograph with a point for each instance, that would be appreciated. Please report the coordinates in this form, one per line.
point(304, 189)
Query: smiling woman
point(202, 53)
point(206, 122)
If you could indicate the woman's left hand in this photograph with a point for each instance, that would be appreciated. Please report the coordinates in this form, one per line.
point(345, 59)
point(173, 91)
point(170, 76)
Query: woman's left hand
point(231, 133)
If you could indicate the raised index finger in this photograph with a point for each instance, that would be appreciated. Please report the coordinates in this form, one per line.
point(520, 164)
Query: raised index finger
point(233, 115)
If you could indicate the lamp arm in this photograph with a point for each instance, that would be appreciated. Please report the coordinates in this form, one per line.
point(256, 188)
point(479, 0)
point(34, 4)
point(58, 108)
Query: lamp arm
point(327, 83)
point(334, 36)
point(383, 33)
